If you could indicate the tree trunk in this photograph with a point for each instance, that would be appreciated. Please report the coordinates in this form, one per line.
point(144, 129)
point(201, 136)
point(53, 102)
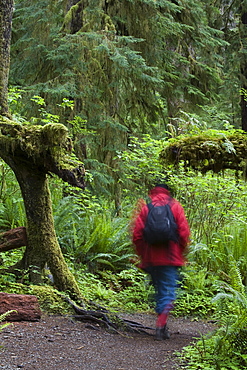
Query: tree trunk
point(31, 172)
point(43, 246)
point(6, 13)
point(28, 152)
point(243, 63)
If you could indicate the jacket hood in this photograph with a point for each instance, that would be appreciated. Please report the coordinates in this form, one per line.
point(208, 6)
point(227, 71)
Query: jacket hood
point(158, 191)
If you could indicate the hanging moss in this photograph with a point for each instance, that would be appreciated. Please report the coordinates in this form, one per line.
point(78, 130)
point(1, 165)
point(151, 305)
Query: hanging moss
point(211, 151)
point(80, 17)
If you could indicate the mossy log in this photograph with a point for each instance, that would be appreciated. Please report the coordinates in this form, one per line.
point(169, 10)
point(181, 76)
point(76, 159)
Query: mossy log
point(210, 151)
point(12, 239)
point(34, 152)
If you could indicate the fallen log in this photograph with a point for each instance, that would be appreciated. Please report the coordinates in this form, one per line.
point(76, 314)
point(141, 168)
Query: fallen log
point(25, 307)
point(12, 239)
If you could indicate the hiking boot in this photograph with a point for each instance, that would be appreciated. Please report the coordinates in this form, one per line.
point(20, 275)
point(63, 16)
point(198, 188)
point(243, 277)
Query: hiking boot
point(166, 334)
point(162, 333)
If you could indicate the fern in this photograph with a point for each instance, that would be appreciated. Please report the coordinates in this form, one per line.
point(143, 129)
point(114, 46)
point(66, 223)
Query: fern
point(232, 312)
point(3, 317)
point(92, 235)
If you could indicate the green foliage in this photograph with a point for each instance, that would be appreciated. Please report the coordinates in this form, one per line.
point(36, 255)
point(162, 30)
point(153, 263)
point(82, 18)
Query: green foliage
point(128, 67)
point(140, 163)
point(12, 212)
point(93, 234)
point(127, 290)
point(195, 293)
point(45, 117)
point(211, 203)
point(3, 317)
point(226, 347)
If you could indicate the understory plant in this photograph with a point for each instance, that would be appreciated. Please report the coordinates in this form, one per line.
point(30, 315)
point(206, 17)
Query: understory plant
point(93, 235)
point(127, 290)
point(226, 347)
point(195, 293)
point(2, 318)
point(211, 202)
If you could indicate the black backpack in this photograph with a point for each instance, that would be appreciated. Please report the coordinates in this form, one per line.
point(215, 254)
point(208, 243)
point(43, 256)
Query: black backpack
point(160, 225)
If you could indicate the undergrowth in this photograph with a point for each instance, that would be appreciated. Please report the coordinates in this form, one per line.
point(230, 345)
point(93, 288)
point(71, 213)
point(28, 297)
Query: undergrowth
point(128, 290)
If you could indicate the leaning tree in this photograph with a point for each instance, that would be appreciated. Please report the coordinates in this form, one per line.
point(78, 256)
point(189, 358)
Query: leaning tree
point(34, 152)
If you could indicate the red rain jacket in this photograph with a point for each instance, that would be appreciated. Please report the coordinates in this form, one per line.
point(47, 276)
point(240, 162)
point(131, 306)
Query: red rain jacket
point(158, 255)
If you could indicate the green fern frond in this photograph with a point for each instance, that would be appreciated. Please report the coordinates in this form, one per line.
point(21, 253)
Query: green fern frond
point(3, 317)
point(235, 275)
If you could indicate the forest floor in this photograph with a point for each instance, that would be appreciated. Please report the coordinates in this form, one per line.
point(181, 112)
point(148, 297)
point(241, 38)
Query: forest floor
point(58, 342)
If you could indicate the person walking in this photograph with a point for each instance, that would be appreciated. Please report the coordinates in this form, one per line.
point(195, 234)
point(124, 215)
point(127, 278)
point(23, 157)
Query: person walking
point(162, 261)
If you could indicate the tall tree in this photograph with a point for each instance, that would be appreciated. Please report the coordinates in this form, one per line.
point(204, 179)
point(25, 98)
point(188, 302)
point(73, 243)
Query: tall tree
point(33, 152)
point(243, 61)
point(231, 18)
point(129, 66)
point(6, 13)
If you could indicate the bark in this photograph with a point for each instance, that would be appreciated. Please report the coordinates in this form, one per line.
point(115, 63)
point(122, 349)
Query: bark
point(243, 63)
point(6, 13)
point(43, 246)
point(31, 165)
point(12, 239)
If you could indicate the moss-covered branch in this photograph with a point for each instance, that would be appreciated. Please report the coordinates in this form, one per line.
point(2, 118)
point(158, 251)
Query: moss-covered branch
point(211, 150)
point(45, 148)
point(33, 152)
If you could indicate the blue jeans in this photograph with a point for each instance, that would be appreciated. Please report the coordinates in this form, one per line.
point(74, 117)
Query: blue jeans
point(165, 281)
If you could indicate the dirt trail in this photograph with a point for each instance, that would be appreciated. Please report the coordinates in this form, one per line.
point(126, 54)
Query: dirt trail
point(56, 342)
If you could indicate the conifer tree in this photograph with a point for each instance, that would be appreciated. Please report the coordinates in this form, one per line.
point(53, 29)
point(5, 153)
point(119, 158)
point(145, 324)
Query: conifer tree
point(243, 62)
point(6, 12)
point(231, 17)
point(128, 66)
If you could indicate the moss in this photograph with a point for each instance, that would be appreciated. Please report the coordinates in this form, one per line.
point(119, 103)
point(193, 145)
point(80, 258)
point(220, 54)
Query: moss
point(210, 151)
point(50, 300)
point(70, 14)
point(35, 141)
point(55, 134)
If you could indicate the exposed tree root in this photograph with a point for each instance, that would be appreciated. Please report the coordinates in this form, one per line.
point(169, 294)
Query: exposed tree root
point(105, 318)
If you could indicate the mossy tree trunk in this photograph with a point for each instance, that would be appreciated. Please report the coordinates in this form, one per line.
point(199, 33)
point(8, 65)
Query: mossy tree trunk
point(243, 63)
point(43, 246)
point(28, 151)
point(32, 152)
point(6, 12)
